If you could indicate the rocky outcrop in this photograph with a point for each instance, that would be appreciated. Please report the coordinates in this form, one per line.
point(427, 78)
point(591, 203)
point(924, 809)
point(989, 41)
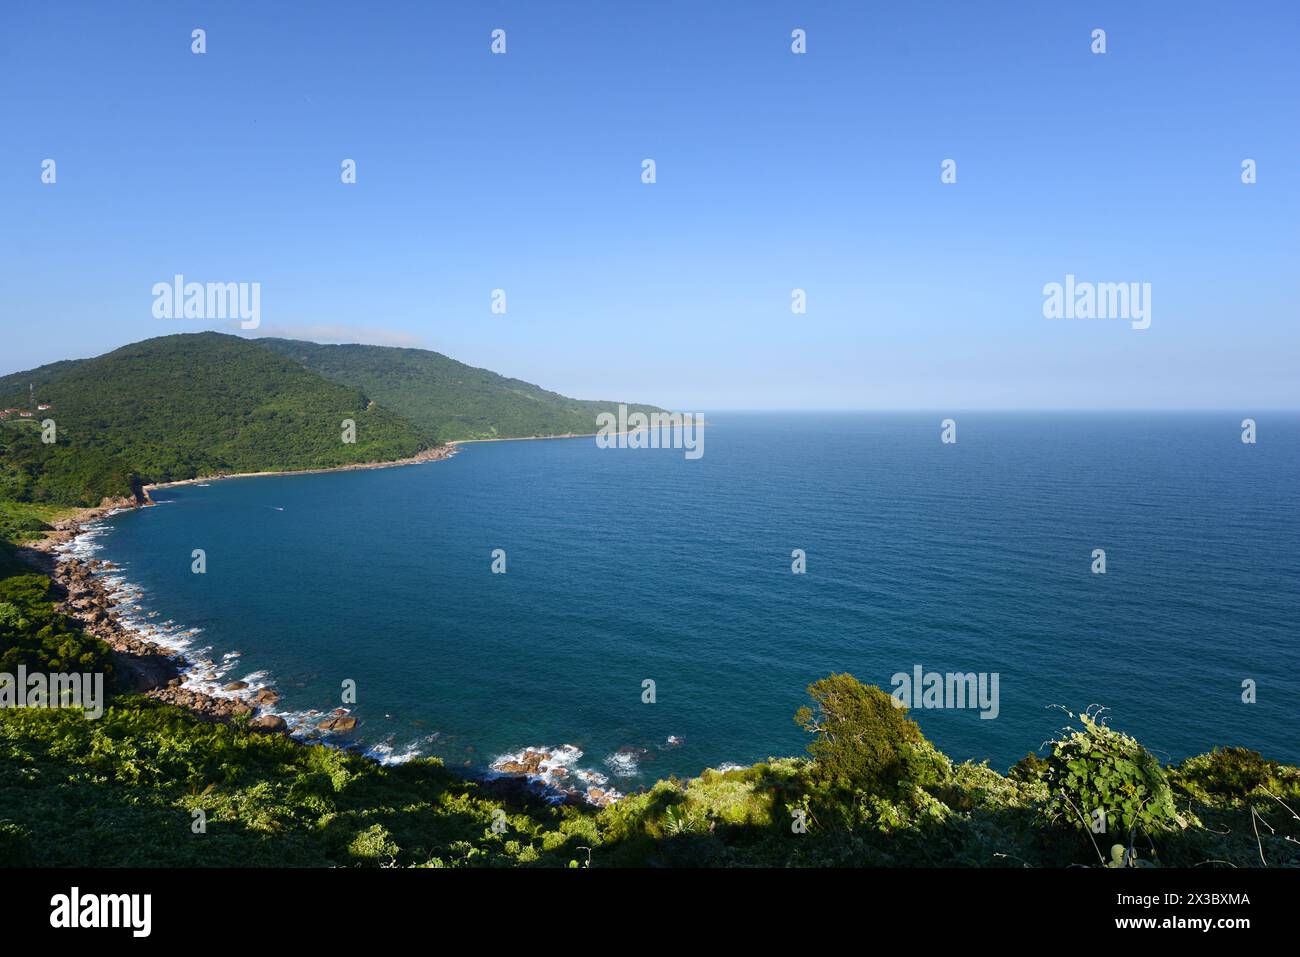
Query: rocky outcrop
point(138, 665)
point(339, 723)
point(542, 773)
point(205, 706)
point(41, 553)
point(271, 723)
point(530, 762)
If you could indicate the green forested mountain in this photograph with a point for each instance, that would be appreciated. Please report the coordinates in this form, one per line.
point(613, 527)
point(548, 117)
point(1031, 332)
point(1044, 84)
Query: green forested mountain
point(448, 398)
point(196, 404)
point(182, 406)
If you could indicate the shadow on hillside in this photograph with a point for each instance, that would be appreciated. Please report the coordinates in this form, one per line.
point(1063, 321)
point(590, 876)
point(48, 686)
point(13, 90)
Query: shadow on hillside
point(56, 813)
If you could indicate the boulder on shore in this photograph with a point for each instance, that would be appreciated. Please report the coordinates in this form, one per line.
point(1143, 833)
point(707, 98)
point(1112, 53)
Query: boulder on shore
point(271, 723)
point(529, 763)
point(340, 724)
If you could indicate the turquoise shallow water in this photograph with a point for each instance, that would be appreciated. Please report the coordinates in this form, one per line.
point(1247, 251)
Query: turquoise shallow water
point(631, 564)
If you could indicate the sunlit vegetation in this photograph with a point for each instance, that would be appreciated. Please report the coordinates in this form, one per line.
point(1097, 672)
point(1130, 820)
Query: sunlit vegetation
point(179, 407)
point(448, 399)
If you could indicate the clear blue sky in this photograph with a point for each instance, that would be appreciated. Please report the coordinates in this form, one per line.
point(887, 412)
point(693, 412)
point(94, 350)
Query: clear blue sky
point(775, 171)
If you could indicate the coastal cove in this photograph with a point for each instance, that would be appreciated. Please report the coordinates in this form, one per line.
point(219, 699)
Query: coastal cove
point(626, 565)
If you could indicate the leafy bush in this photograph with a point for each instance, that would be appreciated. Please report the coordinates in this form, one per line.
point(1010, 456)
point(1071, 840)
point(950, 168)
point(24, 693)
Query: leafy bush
point(1098, 768)
point(863, 739)
point(1234, 773)
point(373, 844)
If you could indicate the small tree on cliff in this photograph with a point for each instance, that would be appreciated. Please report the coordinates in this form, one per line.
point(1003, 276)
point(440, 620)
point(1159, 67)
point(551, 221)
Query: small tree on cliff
point(862, 739)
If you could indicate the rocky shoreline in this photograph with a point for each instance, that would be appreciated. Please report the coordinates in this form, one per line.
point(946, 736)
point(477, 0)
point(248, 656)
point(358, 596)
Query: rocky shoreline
point(143, 665)
point(551, 772)
point(140, 665)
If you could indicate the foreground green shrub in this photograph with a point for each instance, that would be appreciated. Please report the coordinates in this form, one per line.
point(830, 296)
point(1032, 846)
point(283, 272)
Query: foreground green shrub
point(1234, 774)
point(1098, 769)
point(863, 740)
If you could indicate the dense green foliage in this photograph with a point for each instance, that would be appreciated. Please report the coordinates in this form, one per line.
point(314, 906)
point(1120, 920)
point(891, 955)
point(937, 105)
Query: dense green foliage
point(182, 406)
point(1234, 774)
point(1104, 781)
point(61, 473)
point(122, 791)
point(33, 634)
point(862, 739)
point(448, 398)
point(200, 404)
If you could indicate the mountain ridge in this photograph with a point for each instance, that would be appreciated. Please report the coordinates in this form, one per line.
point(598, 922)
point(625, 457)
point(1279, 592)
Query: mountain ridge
point(453, 400)
point(188, 405)
point(178, 407)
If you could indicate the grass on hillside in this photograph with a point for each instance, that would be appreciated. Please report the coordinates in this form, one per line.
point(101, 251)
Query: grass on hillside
point(28, 521)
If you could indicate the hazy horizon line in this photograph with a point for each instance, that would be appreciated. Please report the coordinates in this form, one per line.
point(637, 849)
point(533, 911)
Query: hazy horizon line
point(758, 409)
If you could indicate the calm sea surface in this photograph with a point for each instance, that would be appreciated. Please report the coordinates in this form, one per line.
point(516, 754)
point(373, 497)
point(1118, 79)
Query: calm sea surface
point(626, 565)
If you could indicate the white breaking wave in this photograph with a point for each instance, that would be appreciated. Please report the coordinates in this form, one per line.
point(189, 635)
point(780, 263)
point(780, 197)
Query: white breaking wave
point(386, 753)
point(557, 775)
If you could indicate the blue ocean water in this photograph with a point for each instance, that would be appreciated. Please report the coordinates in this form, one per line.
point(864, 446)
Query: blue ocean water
point(626, 565)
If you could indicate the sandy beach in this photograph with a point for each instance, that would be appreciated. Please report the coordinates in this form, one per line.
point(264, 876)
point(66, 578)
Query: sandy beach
point(429, 455)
